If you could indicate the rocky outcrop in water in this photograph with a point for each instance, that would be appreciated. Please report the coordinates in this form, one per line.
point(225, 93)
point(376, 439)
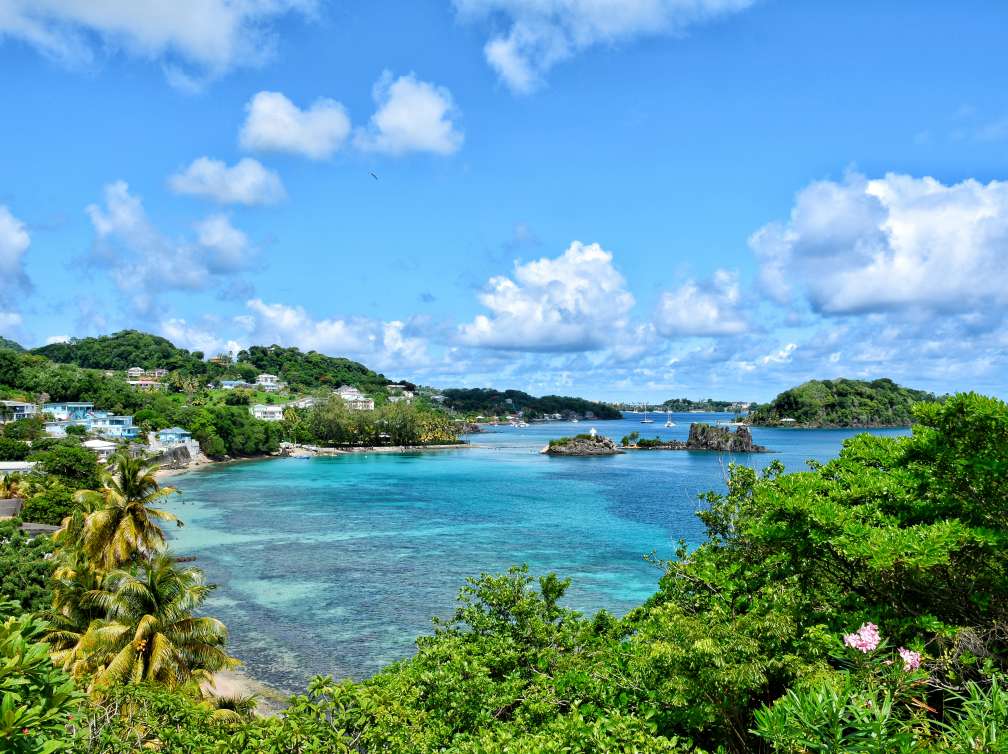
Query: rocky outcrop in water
point(582, 445)
point(707, 437)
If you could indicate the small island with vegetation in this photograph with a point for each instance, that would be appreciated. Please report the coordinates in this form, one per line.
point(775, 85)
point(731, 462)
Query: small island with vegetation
point(582, 445)
point(841, 403)
point(701, 437)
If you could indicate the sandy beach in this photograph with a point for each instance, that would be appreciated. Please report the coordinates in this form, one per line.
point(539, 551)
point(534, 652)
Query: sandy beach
point(269, 702)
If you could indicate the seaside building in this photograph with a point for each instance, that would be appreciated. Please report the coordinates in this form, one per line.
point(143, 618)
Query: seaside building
point(173, 436)
point(270, 383)
point(267, 412)
point(355, 399)
point(69, 410)
point(235, 384)
point(399, 394)
point(306, 402)
point(15, 410)
point(101, 448)
point(113, 425)
point(15, 467)
point(145, 383)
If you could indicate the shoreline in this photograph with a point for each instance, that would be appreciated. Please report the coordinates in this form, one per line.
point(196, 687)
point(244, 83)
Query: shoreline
point(270, 701)
point(299, 452)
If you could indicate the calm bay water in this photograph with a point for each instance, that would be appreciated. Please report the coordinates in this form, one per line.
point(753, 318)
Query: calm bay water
point(335, 565)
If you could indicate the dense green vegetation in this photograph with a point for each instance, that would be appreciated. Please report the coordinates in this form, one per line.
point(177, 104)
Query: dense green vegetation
point(859, 606)
point(488, 402)
point(707, 404)
point(331, 423)
point(843, 403)
point(10, 344)
point(119, 351)
point(312, 370)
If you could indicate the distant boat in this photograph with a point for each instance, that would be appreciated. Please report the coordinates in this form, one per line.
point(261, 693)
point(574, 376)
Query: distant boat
point(668, 420)
point(647, 419)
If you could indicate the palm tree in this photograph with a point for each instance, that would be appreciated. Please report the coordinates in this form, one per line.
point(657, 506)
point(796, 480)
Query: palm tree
point(120, 526)
point(73, 613)
point(149, 633)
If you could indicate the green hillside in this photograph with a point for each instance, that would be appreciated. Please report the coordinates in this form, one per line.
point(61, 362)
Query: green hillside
point(842, 403)
point(312, 369)
point(496, 403)
point(10, 345)
point(121, 350)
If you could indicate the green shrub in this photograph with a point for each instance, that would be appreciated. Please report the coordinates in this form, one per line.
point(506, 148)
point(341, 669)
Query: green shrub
point(49, 506)
point(13, 450)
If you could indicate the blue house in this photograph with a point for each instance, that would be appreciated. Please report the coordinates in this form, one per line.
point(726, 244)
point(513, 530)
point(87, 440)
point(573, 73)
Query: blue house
point(69, 410)
point(113, 425)
point(173, 436)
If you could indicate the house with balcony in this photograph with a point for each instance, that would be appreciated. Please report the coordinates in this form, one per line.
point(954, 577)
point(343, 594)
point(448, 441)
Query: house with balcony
point(355, 399)
point(235, 384)
point(15, 410)
point(69, 410)
point(269, 383)
point(113, 425)
point(307, 402)
point(173, 436)
point(101, 448)
point(267, 412)
point(135, 373)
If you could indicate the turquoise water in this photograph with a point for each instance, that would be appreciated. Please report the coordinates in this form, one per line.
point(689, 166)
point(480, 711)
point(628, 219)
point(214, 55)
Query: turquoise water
point(335, 565)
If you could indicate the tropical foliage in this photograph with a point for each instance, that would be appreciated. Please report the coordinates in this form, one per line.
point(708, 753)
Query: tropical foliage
point(843, 403)
point(331, 423)
point(311, 369)
point(26, 568)
point(37, 700)
point(488, 402)
point(860, 606)
point(119, 522)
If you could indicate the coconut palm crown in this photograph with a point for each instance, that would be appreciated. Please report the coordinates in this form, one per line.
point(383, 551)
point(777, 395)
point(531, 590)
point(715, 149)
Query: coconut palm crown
point(119, 526)
point(149, 633)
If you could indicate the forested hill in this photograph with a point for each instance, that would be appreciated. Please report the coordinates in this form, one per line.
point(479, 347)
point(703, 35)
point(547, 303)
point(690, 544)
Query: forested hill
point(10, 345)
point(475, 401)
point(842, 403)
point(119, 351)
point(312, 369)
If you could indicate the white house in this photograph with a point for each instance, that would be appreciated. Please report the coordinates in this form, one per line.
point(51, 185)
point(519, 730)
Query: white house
point(101, 448)
point(267, 412)
point(399, 394)
point(307, 402)
point(15, 467)
point(14, 410)
point(135, 372)
point(268, 382)
point(355, 399)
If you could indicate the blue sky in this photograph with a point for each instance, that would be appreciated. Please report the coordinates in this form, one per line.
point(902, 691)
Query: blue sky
point(633, 199)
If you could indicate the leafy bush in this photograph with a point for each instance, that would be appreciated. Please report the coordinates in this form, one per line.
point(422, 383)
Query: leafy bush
point(74, 466)
point(25, 429)
point(49, 506)
point(25, 568)
point(13, 450)
point(38, 700)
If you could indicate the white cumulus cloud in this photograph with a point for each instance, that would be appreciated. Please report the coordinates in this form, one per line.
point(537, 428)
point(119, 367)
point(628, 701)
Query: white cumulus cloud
point(896, 243)
point(209, 36)
point(575, 302)
point(542, 33)
point(412, 116)
point(143, 262)
point(702, 308)
point(14, 242)
point(274, 123)
point(247, 182)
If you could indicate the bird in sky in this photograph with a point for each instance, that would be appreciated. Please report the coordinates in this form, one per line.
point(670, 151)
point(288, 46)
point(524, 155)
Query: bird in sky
point(374, 176)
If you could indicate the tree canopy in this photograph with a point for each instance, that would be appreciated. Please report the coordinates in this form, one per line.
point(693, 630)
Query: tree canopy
point(843, 403)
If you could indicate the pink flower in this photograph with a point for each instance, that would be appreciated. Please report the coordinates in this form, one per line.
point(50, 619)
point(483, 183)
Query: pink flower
point(866, 639)
point(911, 659)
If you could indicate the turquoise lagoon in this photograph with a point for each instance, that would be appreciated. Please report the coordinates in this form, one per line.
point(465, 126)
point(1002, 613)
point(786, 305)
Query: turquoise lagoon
point(335, 565)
